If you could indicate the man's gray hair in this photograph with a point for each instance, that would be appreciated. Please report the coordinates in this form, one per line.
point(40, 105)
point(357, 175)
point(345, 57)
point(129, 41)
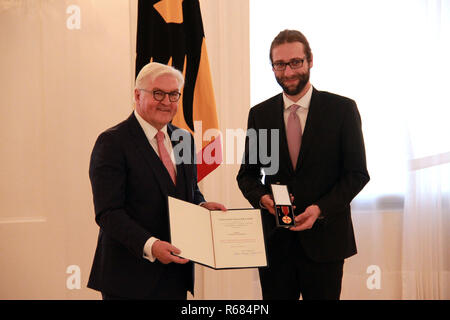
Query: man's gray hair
point(153, 70)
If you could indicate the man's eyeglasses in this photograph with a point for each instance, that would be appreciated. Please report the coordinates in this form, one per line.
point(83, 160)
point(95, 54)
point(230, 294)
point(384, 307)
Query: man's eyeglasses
point(159, 95)
point(294, 64)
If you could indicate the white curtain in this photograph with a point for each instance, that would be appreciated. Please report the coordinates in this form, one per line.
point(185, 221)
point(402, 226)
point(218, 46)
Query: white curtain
point(426, 222)
point(426, 240)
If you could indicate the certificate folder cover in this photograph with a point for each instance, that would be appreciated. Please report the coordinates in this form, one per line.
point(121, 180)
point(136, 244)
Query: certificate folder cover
point(217, 239)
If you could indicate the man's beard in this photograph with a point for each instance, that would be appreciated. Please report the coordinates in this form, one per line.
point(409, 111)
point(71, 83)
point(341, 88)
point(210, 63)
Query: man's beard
point(292, 91)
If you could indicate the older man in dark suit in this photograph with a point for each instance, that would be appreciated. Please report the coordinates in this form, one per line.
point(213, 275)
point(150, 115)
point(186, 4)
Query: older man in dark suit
point(321, 158)
point(133, 169)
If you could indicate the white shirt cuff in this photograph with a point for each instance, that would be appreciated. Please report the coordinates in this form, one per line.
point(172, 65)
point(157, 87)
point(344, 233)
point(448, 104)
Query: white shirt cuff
point(261, 205)
point(148, 249)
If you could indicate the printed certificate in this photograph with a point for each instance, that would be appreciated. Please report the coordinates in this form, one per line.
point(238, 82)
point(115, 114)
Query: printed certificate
point(217, 239)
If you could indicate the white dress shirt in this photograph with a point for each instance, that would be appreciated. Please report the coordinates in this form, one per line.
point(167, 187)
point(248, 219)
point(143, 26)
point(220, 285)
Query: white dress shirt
point(150, 132)
point(302, 112)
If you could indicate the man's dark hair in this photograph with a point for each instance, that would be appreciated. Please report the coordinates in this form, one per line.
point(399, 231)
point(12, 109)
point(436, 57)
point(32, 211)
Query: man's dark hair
point(289, 36)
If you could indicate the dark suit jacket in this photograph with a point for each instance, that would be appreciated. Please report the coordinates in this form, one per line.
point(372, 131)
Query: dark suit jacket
point(331, 170)
point(130, 186)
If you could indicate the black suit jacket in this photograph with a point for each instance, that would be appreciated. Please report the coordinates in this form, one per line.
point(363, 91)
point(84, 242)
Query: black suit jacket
point(331, 170)
point(130, 186)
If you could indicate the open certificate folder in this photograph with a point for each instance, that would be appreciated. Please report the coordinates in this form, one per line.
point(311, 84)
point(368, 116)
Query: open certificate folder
point(217, 239)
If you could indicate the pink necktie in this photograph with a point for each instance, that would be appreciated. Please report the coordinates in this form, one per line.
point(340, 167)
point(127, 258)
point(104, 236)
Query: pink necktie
point(294, 134)
point(165, 157)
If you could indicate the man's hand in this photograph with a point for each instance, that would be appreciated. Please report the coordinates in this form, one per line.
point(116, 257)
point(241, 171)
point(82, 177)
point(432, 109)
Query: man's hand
point(213, 206)
point(163, 250)
point(306, 219)
point(267, 202)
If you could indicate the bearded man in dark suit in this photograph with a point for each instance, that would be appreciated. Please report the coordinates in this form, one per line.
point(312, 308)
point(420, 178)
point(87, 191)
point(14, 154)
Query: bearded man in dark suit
point(133, 169)
point(321, 158)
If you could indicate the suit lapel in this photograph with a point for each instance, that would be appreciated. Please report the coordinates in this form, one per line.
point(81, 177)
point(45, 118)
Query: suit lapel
point(150, 156)
point(181, 166)
point(312, 126)
point(284, 149)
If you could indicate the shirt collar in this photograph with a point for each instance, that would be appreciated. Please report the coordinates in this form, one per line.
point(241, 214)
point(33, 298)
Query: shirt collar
point(303, 102)
point(149, 130)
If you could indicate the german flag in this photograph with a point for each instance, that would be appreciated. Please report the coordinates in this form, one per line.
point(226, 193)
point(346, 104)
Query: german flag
point(171, 32)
